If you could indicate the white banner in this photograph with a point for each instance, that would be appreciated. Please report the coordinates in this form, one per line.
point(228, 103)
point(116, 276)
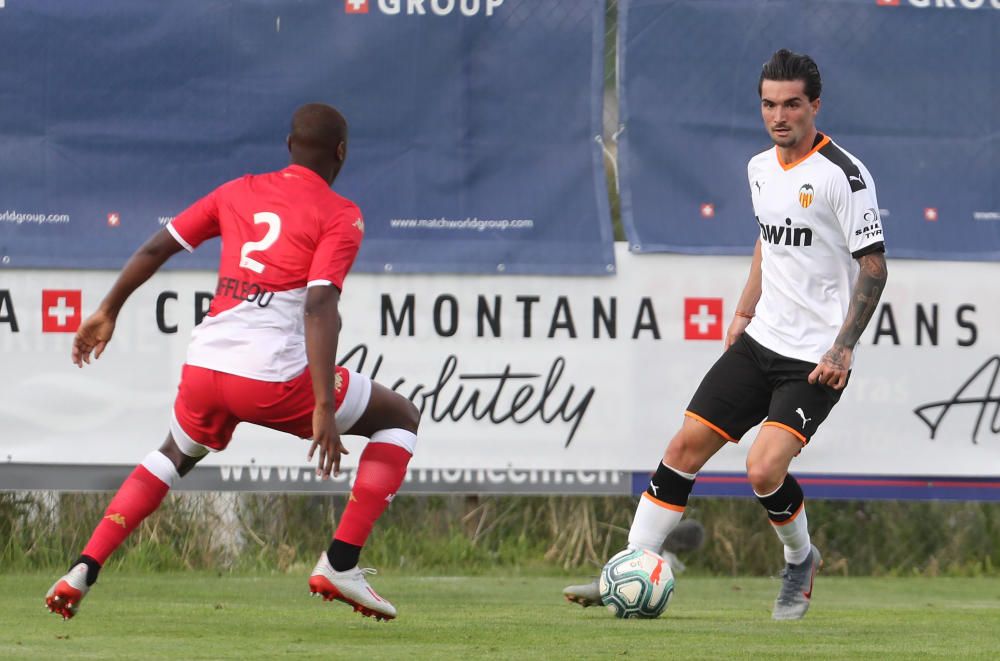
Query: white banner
point(515, 372)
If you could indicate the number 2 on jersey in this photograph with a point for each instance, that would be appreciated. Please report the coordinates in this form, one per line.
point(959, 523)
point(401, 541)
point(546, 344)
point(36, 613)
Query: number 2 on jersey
point(273, 230)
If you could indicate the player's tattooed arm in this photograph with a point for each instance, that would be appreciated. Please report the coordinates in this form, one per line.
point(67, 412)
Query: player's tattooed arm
point(864, 299)
point(833, 367)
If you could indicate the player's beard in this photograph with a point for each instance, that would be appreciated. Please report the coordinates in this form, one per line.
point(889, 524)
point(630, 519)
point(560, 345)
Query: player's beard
point(790, 139)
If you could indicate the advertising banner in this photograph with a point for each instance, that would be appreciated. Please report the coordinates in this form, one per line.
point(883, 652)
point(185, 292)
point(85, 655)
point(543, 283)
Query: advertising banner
point(910, 88)
point(471, 122)
point(525, 383)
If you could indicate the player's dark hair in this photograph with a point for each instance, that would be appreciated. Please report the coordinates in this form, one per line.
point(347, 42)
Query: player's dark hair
point(786, 65)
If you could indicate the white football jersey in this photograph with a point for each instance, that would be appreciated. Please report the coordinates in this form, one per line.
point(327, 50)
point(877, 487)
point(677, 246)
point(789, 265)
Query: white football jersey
point(816, 217)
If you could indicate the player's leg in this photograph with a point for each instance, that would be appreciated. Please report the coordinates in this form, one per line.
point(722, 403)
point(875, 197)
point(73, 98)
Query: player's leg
point(796, 411)
point(139, 496)
point(777, 490)
point(390, 422)
point(732, 398)
point(142, 491)
point(781, 496)
point(662, 505)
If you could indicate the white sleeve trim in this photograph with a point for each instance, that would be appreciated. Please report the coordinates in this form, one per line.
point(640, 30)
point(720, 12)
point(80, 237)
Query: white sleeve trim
point(180, 239)
point(318, 283)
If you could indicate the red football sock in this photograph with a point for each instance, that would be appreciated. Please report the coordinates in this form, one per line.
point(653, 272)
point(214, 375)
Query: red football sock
point(381, 470)
point(139, 496)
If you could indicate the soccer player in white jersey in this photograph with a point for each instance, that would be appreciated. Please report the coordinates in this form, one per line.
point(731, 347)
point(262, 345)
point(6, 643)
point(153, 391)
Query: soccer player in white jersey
point(817, 273)
point(265, 354)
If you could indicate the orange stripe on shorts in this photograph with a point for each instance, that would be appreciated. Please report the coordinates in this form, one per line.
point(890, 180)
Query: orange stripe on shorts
point(718, 430)
point(794, 432)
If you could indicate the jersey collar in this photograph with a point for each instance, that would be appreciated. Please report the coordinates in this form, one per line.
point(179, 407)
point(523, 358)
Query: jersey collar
point(820, 142)
point(305, 173)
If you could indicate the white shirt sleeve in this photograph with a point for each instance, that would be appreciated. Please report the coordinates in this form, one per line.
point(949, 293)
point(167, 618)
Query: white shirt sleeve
point(856, 207)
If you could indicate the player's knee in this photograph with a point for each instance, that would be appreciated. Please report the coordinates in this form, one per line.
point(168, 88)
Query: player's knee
point(410, 415)
point(685, 453)
point(675, 454)
point(764, 476)
point(182, 462)
point(396, 412)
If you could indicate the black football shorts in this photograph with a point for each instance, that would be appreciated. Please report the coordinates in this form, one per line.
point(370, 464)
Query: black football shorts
point(750, 382)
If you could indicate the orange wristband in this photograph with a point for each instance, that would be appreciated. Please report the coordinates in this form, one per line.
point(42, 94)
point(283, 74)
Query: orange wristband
point(744, 315)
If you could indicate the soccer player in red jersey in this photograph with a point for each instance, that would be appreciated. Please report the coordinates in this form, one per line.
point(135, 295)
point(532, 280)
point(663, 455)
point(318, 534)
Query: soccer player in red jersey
point(265, 354)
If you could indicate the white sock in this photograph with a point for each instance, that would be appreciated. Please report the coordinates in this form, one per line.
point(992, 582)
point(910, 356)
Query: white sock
point(159, 465)
point(652, 523)
point(794, 534)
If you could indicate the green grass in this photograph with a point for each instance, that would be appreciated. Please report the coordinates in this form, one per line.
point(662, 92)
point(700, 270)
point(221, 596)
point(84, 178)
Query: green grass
point(201, 615)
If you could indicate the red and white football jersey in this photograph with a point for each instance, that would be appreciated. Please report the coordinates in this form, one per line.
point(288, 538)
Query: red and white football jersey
point(282, 232)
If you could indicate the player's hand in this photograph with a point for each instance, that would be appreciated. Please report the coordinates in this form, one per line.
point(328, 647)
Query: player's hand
point(736, 328)
point(832, 369)
point(327, 439)
point(93, 335)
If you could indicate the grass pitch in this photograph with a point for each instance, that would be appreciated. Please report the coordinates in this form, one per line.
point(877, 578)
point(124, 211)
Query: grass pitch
point(207, 616)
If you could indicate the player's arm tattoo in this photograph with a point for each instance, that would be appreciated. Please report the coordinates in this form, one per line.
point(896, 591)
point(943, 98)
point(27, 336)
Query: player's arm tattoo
point(864, 299)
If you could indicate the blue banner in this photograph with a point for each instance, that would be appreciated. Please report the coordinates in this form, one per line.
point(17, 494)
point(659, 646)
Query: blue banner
point(910, 87)
point(472, 124)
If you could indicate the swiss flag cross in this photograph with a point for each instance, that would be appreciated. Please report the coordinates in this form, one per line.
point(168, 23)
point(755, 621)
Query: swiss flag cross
point(114, 219)
point(61, 310)
point(887, 3)
point(931, 214)
point(356, 6)
point(708, 210)
point(702, 318)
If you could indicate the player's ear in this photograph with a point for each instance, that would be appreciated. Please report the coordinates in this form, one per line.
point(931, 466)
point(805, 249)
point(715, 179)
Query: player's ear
point(342, 151)
point(815, 103)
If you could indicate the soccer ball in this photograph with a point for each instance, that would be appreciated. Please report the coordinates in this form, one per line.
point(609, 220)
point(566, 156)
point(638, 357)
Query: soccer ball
point(636, 584)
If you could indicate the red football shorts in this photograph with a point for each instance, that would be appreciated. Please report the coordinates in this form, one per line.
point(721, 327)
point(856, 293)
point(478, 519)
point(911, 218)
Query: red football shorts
point(210, 404)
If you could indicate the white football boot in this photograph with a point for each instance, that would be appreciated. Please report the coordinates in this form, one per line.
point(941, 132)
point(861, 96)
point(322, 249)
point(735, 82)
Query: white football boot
point(65, 595)
point(350, 587)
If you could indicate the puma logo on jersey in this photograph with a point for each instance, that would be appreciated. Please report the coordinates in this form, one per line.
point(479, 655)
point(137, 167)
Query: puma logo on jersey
point(117, 518)
point(802, 414)
point(338, 382)
point(389, 498)
point(656, 489)
point(785, 235)
point(360, 224)
point(856, 182)
point(756, 182)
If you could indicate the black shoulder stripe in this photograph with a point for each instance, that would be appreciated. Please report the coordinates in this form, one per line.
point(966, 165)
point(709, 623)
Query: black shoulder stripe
point(867, 250)
point(833, 154)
